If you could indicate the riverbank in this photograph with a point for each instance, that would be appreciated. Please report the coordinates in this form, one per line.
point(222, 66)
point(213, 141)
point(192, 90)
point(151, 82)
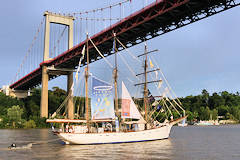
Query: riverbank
point(217, 122)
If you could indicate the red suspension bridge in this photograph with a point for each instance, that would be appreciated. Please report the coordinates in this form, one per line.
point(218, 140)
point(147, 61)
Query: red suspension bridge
point(154, 19)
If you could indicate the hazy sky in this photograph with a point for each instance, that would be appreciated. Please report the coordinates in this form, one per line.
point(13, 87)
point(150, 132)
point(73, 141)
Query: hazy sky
point(202, 55)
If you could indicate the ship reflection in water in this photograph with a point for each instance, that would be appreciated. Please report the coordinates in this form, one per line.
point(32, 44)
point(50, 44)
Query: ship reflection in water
point(161, 149)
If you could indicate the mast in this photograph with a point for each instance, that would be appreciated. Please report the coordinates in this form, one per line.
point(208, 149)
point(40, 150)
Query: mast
point(145, 84)
point(116, 77)
point(86, 85)
point(145, 91)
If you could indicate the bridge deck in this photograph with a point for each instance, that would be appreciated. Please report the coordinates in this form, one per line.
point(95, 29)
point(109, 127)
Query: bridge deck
point(156, 19)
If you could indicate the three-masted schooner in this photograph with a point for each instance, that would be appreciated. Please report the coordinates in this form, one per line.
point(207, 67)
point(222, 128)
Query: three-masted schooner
point(118, 120)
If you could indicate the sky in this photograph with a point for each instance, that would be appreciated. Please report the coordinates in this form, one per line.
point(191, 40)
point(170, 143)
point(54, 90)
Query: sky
point(202, 55)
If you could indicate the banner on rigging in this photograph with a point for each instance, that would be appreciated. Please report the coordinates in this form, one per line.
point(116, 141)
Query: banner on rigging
point(102, 104)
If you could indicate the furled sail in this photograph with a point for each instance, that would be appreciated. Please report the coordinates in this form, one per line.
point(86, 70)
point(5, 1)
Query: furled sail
point(129, 109)
point(102, 105)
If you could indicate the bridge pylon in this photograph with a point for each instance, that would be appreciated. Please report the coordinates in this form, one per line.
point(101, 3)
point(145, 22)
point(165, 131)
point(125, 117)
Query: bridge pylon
point(64, 20)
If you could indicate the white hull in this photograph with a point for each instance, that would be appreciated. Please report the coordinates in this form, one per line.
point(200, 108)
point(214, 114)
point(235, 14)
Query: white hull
point(116, 137)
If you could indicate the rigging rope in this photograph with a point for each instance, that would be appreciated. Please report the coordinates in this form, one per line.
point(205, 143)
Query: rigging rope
point(169, 93)
point(100, 53)
point(138, 78)
point(168, 84)
point(131, 70)
point(134, 57)
point(178, 104)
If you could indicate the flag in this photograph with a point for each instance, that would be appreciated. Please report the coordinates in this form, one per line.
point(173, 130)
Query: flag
point(79, 63)
point(160, 83)
point(159, 107)
point(151, 99)
point(151, 64)
point(83, 54)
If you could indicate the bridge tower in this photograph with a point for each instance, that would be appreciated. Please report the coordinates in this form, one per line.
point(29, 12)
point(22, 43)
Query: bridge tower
point(64, 20)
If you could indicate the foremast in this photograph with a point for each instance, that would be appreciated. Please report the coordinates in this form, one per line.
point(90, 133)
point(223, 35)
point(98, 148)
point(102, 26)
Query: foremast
point(86, 86)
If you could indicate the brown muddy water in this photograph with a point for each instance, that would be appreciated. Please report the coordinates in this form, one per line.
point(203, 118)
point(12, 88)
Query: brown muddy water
point(185, 143)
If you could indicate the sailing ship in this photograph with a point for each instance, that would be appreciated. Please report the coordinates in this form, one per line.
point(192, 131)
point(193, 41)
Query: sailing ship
point(109, 119)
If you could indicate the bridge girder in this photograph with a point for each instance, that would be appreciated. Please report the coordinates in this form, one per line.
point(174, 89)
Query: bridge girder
point(154, 20)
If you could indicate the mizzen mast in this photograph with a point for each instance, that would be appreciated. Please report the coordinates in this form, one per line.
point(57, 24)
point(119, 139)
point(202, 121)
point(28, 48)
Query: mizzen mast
point(146, 82)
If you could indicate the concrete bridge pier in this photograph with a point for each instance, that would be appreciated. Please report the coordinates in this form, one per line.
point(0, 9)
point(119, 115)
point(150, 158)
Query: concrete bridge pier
point(44, 93)
point(70, 92)
point(68, 21)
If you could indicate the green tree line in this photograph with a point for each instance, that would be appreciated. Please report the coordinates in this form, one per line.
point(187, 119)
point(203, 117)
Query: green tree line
point(209, 107)
point(25, 113)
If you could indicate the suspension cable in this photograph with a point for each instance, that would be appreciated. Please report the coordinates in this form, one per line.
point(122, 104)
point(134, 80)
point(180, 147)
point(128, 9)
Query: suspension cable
point(101, 9)
point(29, 49)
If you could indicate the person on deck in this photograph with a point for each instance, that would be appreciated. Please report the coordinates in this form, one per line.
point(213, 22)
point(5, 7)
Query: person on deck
point(67, 127)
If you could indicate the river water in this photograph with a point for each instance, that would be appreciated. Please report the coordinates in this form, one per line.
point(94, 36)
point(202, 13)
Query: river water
point(185, 143)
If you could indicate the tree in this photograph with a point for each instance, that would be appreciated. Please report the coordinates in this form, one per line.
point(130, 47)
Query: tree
point(14, 114)
point(7, 102)
point(223, 110)
point(190, 116)
point(205, 97)
point(201, 113)
point(215, 101)
point(235, 111)
point(59, 92)
point(214, 114)
point(204, 113)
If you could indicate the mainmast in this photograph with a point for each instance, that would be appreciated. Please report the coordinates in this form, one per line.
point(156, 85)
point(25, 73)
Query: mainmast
point(116, 76)
point(86, 85)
